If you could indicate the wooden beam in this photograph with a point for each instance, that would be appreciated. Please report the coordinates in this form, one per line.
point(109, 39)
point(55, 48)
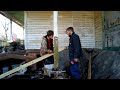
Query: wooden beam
point(32, 50)
point(4, 58)
point(55, 23)
point(14, 57)
point(26, 65)
point(56, 58)
point(18, 57)
point(13, 54)
point(21, 52)
point(2, 54)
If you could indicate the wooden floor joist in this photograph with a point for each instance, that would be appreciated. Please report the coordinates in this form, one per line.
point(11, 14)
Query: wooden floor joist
point(26, 65)
point(14, 56)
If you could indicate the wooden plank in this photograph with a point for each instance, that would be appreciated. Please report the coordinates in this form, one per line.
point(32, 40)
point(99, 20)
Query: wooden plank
point(4, 58)
point(18, 57)
point(24, 66)
point(27, 64)
point(33, 51)
point(21, 52)
point(56, 59)
point(14, 56)
point(2, 54)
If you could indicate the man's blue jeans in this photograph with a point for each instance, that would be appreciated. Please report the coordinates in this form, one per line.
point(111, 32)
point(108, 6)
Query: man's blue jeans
point(74, 70)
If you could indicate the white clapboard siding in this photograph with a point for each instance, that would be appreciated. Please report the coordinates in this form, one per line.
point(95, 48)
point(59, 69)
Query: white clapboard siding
point(39, 22)
point(98, 29)
point(83, 23)
point(64, 21)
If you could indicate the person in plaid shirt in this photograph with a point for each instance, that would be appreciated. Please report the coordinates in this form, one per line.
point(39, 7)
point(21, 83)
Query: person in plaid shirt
point(47, 47)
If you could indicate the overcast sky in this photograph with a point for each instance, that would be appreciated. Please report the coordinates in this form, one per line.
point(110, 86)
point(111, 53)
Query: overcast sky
point(16, 29)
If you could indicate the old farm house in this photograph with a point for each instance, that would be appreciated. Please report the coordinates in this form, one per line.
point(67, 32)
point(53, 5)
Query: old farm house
point(99, 32)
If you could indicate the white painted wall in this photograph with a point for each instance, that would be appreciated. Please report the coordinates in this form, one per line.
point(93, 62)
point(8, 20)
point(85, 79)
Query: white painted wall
point(37, 23)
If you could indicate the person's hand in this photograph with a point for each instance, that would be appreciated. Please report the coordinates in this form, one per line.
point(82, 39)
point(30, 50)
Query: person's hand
point(76, 59)
point(72, 62)
point(49, 51)
point(65, 48)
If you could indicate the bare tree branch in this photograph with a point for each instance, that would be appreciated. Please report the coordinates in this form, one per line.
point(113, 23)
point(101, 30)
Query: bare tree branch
point(5, 28)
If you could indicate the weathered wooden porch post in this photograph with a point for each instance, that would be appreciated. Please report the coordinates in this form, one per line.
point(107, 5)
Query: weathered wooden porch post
point(55, 25)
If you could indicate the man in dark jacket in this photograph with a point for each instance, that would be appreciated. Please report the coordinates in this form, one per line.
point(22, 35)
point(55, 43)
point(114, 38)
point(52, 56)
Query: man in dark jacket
point(75, 52)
